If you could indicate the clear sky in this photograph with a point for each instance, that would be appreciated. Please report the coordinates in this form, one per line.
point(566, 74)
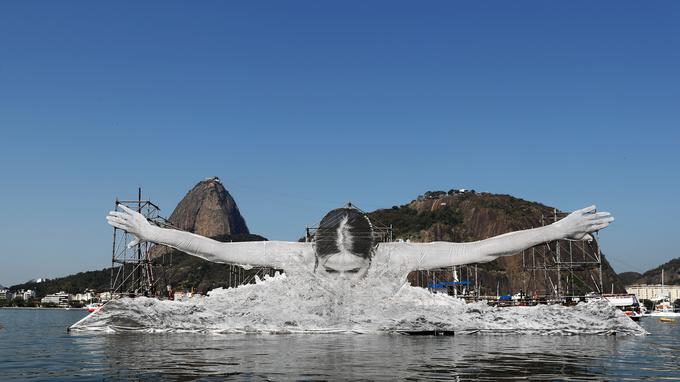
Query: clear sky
point(300, 106)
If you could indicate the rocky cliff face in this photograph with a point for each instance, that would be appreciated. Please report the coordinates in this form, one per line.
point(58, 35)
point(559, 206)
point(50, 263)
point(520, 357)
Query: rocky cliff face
point(209, 210)
point(469, 216)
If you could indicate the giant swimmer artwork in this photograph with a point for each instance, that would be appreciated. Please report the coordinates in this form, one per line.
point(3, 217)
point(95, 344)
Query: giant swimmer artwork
point(344, 247)
point(345, 281)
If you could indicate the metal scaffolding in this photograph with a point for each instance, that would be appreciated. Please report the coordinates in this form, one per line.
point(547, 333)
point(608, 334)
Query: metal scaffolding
point(132, 270)
point(567, 268)
point(459, 281)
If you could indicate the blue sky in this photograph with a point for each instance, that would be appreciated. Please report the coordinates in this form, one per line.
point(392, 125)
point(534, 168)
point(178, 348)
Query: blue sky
point(300, 106)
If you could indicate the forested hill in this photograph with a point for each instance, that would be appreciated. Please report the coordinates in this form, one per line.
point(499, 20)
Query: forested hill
point(671, 274)
point(97, 280)
point(629, 278)
point(468, 216)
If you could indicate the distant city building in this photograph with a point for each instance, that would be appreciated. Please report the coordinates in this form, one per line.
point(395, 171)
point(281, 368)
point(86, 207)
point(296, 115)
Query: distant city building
point(5, 295)
point(654, 291)
point(60, 299)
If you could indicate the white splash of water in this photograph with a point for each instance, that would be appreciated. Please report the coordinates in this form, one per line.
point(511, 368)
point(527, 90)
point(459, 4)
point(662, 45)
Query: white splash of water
point(283, 304)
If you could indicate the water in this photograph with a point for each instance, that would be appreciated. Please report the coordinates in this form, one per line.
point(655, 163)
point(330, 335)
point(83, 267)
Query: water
point(34, 345)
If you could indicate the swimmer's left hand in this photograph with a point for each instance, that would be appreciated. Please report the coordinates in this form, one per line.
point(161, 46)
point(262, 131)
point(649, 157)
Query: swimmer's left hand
point(579, 224)
point(133, 222)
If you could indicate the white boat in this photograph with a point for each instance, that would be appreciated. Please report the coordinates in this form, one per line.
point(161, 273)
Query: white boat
point(628, 303)
point(663, 306)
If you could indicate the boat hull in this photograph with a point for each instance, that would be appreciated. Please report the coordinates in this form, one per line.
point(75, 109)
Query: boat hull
point(665, 314)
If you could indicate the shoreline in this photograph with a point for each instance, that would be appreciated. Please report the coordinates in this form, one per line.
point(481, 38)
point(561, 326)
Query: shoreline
point(39, 308)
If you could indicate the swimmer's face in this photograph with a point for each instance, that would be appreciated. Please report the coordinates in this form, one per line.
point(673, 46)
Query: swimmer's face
point(345, 266)
point(344, 245)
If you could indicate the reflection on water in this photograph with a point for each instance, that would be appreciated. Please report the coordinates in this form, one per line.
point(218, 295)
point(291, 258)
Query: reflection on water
point(39, 348)
point(356, 356)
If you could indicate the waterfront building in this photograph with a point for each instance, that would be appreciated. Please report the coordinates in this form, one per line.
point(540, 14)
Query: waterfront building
point(5, 295)
point(654, 291)
point(61, 299)
point(24, 294)
point(29, 294)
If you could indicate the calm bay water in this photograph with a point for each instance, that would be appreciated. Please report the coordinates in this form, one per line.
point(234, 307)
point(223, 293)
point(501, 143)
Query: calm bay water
point(34, 345)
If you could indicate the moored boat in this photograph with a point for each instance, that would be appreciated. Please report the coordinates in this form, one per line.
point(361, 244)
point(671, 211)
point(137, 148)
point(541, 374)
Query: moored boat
point(628, 303)
point(94, 306)
point(663, 306)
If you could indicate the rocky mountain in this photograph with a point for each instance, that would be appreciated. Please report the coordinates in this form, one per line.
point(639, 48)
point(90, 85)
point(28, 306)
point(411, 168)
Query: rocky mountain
point(209, 210)
point(653, 276)
point(463, 216)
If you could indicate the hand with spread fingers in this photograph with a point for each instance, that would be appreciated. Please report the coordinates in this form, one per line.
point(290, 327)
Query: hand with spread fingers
point(133, 222)
point(579, 224)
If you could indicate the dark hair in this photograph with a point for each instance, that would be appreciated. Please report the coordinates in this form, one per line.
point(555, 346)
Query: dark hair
point(344, 228)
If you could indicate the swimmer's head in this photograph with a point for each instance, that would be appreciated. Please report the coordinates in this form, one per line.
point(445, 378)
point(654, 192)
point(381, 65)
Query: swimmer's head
point(344, 244)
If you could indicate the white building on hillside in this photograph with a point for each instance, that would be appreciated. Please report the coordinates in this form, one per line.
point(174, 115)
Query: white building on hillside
point(25, 294)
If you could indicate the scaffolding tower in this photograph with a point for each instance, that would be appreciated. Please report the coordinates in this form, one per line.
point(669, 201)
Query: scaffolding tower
point(568, 268)
point(132, 270)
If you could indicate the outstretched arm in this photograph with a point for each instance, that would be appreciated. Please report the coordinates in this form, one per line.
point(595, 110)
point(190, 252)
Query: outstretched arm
point(576, 226)
point(274, 254)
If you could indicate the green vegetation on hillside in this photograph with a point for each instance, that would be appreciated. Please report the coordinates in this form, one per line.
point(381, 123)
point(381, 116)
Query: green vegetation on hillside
point(629, 278)
point(407, 222)
point(97, 280)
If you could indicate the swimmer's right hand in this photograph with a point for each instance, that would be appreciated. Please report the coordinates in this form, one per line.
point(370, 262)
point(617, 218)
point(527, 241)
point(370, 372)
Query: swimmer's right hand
point(133, 222)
